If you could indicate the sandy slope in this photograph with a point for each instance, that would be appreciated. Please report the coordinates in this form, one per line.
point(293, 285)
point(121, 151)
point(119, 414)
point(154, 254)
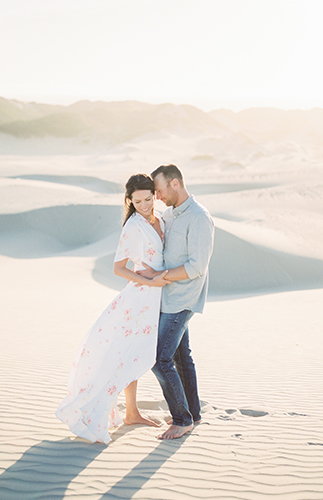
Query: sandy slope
point(258, 346)
point(260, 371)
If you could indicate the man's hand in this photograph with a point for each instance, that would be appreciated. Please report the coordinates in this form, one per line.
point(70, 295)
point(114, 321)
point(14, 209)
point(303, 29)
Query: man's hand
point(148, 272)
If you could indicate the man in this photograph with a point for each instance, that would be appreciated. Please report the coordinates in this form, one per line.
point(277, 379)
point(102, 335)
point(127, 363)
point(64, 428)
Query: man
point(189, 232)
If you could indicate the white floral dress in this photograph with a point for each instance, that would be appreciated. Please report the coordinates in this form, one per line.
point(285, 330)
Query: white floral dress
point(121, 345)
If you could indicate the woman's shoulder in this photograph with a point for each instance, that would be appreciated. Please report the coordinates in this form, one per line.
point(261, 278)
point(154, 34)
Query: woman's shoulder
point(132, 222)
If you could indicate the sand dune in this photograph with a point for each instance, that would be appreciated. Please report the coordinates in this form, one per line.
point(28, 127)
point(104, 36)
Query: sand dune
point(258, 346)
point(237, 265)
point(50, 230)
point(213, 188)
point(91, 183)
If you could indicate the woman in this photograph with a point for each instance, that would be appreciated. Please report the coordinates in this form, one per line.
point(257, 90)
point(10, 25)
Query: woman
point(121, 345)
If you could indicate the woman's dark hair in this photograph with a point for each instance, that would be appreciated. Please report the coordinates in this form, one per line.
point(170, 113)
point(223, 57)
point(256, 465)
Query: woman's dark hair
point(136, 182)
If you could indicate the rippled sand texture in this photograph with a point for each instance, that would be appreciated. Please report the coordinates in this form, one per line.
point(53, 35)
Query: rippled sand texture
point(258, 346)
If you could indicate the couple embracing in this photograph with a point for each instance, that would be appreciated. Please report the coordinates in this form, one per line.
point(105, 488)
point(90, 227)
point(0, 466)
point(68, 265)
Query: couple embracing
point(146, 325)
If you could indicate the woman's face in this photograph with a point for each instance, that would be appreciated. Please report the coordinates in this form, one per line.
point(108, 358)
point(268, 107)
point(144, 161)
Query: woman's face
point(143, 201)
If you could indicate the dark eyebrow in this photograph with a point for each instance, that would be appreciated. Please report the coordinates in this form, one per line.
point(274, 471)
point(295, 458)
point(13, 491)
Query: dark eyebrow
point(145, 198)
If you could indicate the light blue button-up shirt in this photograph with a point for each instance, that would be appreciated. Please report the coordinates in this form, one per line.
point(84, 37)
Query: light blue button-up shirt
point(189, 234)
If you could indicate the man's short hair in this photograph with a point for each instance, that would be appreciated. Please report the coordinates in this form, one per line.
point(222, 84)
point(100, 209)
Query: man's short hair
point(170, 172)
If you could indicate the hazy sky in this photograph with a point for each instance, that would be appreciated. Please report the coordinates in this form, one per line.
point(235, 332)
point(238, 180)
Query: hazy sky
point(210, 53)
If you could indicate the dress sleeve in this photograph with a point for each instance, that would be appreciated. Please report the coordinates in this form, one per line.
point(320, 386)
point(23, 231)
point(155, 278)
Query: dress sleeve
point(130, 243)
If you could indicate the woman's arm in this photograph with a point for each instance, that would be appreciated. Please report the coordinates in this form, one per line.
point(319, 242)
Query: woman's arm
point(176, 274)
point(120, 269)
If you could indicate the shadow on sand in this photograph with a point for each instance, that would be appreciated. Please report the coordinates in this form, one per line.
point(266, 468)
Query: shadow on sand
point(46, 469)
point(132, 482)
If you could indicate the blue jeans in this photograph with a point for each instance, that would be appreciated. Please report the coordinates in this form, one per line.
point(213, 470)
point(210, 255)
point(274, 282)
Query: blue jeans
point(175, 369)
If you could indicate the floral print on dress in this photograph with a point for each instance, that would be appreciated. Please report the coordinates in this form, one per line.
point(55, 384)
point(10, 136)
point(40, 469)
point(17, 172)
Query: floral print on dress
point(150, 252)
point(127, 315)
point(86, 419)
point(123, 238)
point(119, 369)
point(85, 391)
point(115, 303)
point(126, 331)
point(121, 345)
point(85, 353)
point(113, 416)
point(147, 330)
point(112, 390)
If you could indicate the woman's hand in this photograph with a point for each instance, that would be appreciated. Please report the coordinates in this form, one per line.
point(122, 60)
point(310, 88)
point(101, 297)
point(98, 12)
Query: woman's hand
point(120, 269)
point(148, 272)
point(158, 280)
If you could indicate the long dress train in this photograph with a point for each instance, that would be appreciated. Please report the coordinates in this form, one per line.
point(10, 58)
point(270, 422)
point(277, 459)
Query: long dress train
point(121, 345)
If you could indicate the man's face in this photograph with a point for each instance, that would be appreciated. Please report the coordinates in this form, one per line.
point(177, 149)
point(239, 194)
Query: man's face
point(164, 191)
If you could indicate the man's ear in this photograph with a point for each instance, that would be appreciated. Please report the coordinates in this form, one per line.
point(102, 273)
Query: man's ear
point(174, 183)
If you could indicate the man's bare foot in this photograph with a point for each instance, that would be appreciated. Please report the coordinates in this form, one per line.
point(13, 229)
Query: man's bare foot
point(138, 419)
point(176, 431)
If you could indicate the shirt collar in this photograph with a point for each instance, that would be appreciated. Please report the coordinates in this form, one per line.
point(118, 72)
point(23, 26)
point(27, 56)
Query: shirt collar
point(183, 206)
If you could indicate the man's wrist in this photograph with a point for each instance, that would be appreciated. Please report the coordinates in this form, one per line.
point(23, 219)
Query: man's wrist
point(165, 271)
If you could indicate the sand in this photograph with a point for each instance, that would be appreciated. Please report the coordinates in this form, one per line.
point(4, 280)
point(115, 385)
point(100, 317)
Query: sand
point(258, 347)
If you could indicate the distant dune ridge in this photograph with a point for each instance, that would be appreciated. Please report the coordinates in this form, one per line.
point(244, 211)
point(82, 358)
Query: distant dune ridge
point(117, 122)
point(258, 347)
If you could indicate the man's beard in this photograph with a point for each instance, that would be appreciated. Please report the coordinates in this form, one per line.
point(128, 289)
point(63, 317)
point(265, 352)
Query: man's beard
point(171, 202)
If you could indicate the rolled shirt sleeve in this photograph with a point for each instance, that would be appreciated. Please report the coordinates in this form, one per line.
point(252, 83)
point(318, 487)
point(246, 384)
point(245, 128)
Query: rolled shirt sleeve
point(188, 242)
point(200, 245)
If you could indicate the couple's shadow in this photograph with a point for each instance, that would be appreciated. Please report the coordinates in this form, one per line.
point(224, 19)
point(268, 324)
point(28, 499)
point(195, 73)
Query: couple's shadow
point(46, 469)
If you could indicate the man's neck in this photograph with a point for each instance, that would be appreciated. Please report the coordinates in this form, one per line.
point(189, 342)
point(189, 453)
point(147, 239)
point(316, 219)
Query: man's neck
point(183, 196)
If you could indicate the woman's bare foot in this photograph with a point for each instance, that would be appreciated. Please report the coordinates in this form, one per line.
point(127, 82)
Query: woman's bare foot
point(139, 419)
point(176, 431)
